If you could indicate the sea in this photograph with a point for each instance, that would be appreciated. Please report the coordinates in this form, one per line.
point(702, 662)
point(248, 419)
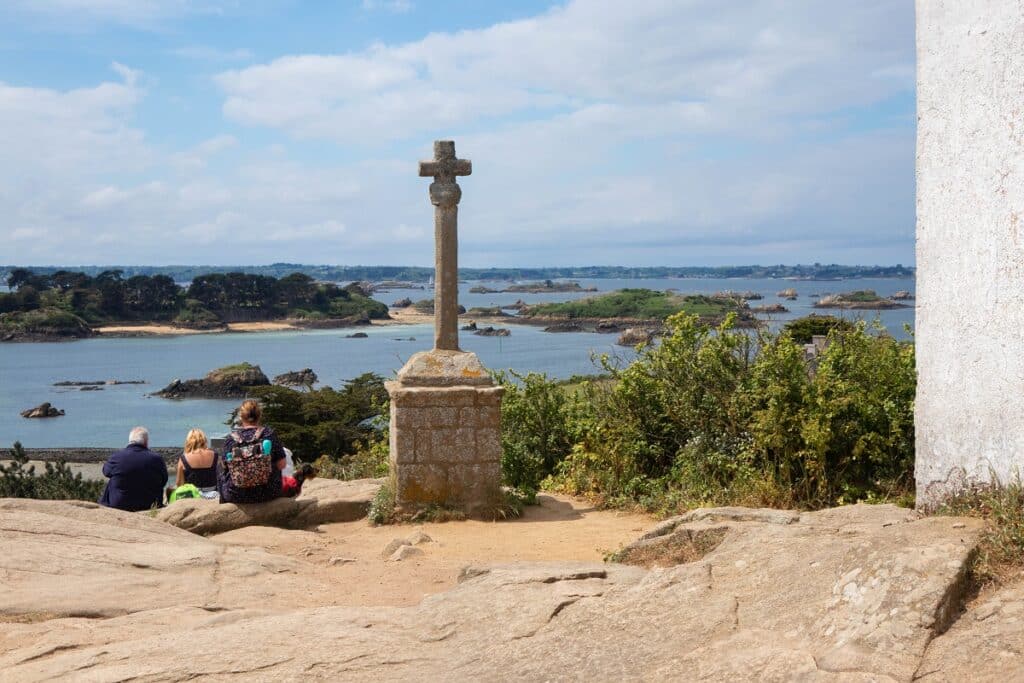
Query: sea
point(28, 371)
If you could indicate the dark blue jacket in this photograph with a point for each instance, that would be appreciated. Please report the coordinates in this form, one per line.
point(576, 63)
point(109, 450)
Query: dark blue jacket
point(137, 479)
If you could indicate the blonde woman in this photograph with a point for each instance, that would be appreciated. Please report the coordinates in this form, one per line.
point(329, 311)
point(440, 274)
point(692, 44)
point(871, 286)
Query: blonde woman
point(197, 465)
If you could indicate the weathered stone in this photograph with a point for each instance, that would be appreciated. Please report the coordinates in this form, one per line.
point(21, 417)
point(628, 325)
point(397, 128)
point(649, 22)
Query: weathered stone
point(42, 410)
point(322, 501)
point(417, 537)
point(444, 368)
point(853, 594)
point(404, 552)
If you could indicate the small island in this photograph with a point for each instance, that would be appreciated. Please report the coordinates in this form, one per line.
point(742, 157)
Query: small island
point(66, 305)
point(861, 299)
point(545, 287)
point(231, 381)
point(639, 306)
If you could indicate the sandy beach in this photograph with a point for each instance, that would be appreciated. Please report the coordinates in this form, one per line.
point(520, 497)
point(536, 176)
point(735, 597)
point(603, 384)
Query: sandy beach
point(399, 316)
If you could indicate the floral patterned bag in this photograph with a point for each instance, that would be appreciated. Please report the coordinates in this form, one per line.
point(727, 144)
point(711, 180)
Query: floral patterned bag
point(246, 464)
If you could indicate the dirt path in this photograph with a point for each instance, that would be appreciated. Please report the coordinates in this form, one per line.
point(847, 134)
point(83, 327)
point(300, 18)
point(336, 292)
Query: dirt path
point(560, 528)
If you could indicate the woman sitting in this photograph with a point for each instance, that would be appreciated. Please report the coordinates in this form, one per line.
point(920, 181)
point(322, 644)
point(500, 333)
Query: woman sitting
point(253, 458)
point(198, 465)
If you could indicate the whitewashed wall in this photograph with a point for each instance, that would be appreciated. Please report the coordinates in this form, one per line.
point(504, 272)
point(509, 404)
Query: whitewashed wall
point(970, 243)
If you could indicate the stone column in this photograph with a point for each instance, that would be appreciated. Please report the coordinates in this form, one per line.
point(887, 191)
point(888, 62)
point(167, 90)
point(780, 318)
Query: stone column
point(445, 410)
point(970, 244)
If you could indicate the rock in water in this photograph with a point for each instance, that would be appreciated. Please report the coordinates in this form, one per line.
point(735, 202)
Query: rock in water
point(404, 302)
point(42, 410)
point(297, 378)
point(635, 335)
point(492, 332)
point(232, 381)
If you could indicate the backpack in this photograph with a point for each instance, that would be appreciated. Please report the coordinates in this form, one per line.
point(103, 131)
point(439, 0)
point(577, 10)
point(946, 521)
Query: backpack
point(246, 464)
point(182, 492)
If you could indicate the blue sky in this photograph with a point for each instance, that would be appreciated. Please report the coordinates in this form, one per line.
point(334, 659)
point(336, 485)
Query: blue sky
point(654, 132)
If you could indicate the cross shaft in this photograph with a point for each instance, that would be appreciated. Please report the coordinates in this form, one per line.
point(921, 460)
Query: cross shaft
point(445, 195)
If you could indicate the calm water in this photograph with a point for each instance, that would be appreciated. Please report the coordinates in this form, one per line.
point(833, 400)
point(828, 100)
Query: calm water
point(103, 418)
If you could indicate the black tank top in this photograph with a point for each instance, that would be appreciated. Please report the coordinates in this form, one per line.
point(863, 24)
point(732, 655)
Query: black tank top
point(200, 477)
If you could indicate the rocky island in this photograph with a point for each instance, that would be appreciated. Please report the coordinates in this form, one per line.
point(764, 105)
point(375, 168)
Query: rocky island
point(546, 287)
point(232, 381)
point(861, 299)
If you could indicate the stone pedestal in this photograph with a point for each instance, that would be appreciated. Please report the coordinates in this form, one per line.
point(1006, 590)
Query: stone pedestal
point(445, 433)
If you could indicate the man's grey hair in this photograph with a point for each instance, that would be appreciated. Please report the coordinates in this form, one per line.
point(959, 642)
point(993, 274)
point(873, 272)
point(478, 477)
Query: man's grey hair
point(139, 436)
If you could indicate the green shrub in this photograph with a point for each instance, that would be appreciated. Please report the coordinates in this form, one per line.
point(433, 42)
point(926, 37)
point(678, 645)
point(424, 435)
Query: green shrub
point(802, 330)
point(637, 303)
point(719, 416)
point(329, 422)
point(541, 421)
point(18, 479)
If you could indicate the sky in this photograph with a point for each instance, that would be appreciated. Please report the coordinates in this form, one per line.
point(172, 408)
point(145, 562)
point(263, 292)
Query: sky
point(602, 132)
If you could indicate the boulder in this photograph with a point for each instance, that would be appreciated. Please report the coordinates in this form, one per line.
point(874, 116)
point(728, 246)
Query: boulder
point(492, 332)
point(902, 295)
point(322, 501)
point(297, 378)
point(788, 293)
point(79, 559)
point(632, 336)
point(404, 302)
point(42, 410)
point(232, 381)
point(848, 594)
point(357, 335)
point(565, 327)
point(469, 327)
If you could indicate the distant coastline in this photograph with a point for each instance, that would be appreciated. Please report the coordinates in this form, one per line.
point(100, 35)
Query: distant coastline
point(419, 274)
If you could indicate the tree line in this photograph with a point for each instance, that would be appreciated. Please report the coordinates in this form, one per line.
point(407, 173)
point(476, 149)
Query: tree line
point(209, 299)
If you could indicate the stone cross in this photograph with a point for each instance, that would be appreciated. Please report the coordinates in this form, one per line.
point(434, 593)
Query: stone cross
point(445, 194)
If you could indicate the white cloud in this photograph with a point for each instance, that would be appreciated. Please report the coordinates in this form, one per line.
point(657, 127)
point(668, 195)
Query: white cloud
point(653, 132)
point(740, 61)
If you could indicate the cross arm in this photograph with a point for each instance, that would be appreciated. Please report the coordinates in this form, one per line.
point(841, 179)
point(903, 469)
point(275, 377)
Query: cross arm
point(446, 167)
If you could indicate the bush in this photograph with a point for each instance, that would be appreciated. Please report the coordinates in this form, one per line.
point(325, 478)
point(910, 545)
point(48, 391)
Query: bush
point(803, 330)
point(719, 416)
point(541, 421)
point(57, 482)
point(325, 421)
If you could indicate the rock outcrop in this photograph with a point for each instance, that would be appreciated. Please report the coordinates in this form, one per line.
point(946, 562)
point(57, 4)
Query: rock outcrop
point(788, 293)
point(232, 381)
point(635, 335)
point(404, 302)
point(492, 332)
point(322, 501)
point(769, 308)
point(848, 594)
point(42, 410)
point(297, 378)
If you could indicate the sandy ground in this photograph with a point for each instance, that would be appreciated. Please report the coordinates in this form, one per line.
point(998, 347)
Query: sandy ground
point(560, 528)
point(399, 316)
point(171, 329)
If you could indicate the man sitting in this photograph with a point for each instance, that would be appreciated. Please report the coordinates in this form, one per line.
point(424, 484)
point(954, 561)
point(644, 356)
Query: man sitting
point(137, 475)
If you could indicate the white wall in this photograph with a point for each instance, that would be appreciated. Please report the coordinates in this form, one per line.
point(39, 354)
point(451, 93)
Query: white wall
point(970, 243)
